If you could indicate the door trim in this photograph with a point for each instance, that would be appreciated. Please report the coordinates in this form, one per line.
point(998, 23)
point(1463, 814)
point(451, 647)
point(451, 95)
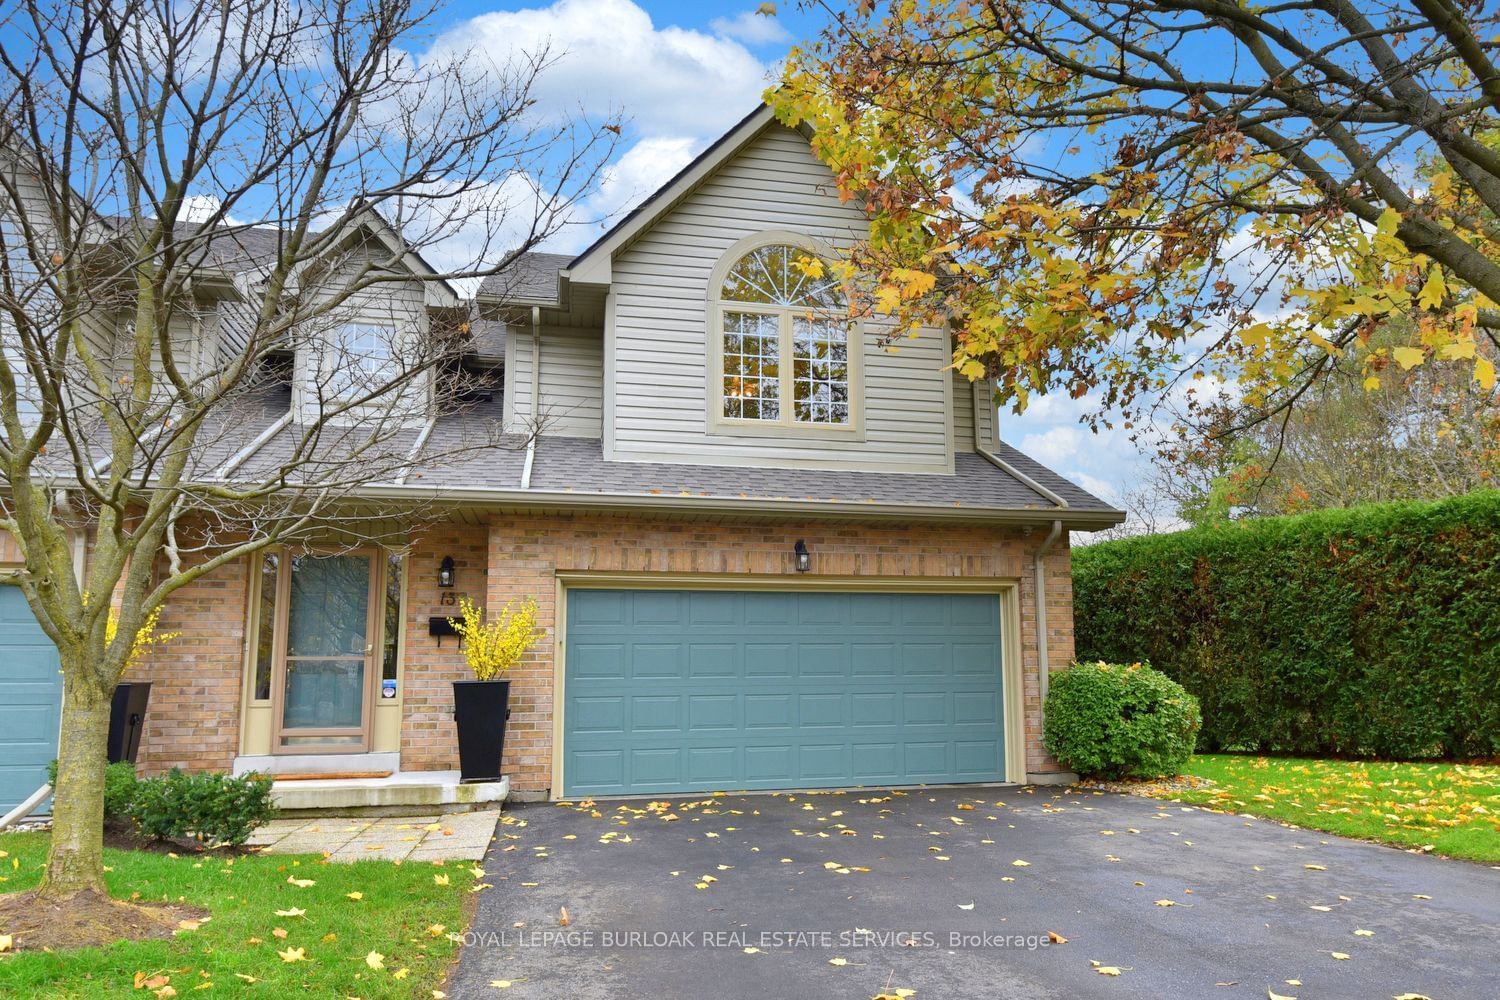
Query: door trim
point(374, 605)
point(1006, 589)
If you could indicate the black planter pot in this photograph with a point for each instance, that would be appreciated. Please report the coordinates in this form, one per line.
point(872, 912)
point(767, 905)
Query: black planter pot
point(127, 718)
point(480, 709)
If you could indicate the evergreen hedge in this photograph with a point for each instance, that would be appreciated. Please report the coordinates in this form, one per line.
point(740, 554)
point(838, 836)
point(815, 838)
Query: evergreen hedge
point(1372, 631)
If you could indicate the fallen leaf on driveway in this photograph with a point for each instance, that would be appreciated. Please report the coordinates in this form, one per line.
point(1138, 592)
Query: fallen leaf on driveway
point(1361, 932)
point(500, 984)
point(1018, 863)
point(1339, 956)
point(1412, 996)
point(1165, 902)
point(1315, 868)
point(1056, 938)
point(1273, 995)
point(838, 961)
point(966, 906)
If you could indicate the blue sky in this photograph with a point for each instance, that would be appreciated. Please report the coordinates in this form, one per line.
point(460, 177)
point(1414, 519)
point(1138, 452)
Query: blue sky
point(681, 73)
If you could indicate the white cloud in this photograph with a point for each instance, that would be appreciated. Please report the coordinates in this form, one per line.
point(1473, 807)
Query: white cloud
point(751, 28)
point(1055, 445)
point(610, 58)
point(642, 169)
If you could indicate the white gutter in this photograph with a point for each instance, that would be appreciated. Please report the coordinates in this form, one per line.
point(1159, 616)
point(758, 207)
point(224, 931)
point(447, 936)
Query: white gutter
point(1006, 467)
point(536, 395)
point(240, 457)
point(416, 450)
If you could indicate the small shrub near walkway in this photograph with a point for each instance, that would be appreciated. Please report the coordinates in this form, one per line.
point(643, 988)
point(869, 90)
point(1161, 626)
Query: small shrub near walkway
point(370, 929)
point(1455, 808)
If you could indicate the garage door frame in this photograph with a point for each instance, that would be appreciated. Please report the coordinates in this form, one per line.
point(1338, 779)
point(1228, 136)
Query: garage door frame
point(1005, 589)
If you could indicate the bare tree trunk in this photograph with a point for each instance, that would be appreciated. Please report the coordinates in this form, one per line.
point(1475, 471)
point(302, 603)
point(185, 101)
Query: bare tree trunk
point(75, 858)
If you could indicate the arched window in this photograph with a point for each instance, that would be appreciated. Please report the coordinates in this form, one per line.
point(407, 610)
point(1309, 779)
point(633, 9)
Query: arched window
point(779, 303)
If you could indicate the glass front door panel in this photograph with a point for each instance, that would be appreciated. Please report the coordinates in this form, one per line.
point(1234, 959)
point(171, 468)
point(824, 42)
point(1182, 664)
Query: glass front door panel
point(328, 644)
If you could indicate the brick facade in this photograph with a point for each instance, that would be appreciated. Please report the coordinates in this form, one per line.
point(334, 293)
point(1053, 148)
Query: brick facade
point(525, 554)
point(195, 702)
point(193, 719)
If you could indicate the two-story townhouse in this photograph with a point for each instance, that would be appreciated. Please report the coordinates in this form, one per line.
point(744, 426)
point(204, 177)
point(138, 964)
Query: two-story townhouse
point(771, 548)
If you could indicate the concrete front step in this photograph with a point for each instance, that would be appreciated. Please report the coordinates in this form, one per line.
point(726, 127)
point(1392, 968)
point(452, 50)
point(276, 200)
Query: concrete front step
point(413, 793)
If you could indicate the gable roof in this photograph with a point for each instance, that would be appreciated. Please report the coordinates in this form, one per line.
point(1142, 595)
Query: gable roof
point(592, 266)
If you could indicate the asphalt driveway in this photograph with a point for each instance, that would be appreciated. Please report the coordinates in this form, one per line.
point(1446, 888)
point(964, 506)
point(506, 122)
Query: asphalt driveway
point(953, 893)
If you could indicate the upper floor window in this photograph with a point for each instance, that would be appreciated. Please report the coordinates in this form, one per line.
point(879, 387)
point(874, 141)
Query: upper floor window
point(784, 331)
point(359, 359)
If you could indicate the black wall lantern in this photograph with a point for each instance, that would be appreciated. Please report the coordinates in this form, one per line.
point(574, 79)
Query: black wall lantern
point(804, 557)
point(445, 572)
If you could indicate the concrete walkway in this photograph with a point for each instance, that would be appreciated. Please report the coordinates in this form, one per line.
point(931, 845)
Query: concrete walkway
point(451, 837)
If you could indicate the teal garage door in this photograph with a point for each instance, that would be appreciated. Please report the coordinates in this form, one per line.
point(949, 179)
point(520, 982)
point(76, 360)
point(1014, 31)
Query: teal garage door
point(30, 700)
point(676, 691)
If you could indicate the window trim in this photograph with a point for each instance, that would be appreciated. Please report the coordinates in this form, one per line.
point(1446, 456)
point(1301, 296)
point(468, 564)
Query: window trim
point(786, 426)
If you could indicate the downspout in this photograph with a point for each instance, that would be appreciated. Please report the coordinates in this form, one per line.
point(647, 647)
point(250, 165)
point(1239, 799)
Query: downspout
point(536, 393)
point(1044, 665)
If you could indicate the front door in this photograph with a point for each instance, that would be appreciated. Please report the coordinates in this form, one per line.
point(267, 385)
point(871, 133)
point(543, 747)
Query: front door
point(324, 669)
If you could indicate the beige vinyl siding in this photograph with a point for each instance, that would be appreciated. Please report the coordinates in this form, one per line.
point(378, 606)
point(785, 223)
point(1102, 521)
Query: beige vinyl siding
point(572, 380)
point(963, 413)
point(986, 420)
point(400, 305)
point(659, 306)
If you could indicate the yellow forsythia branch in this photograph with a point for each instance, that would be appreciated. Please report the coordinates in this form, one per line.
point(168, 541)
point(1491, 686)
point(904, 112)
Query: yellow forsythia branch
point(147, 635)
point(493, 648)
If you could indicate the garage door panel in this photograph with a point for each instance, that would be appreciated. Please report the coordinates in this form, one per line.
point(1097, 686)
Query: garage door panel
point(769, 711)
point(600, 715)
point(822, 761)
point(925, 708)
point(30, 700)
point(661, 713)
point(768, 659)
point(655, 608)
point(822, 659)
point(874, 708)
point(924, 658)
point(713, 764)
point(598, 768)
point(973, 659)
point(656, 660)
point(919, 610)
point(713, 660)
point(873, 659)
point(973, 757)
point(594, 660)
point(655, 766)
point(729, 689)
point(711, 608)
point(976, 708)
point(768, 608)
point(710, 712)
point(927, 761)
point(875, 762)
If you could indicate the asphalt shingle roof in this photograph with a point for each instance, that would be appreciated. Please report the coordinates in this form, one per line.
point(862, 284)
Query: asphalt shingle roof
point(531, 276)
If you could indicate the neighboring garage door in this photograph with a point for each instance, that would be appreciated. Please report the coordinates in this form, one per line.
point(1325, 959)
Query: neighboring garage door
point(30, 700)
point(674, 691)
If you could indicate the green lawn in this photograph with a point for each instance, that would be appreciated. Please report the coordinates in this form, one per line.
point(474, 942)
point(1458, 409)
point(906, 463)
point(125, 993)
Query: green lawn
point(1453, 807)
point(402, 913)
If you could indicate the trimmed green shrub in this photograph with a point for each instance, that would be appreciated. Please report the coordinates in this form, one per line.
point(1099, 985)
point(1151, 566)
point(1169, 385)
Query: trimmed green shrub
point(1373, 631)
point(119, 787)
point(1117, 720)
point(214, 807)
